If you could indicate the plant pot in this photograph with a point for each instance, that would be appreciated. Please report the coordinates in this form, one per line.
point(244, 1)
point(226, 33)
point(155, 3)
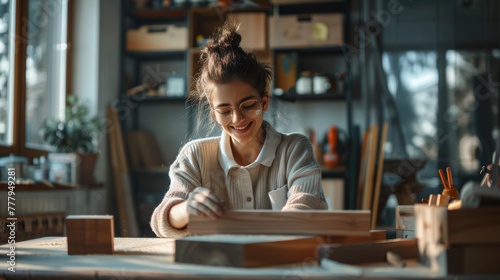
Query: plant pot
point(86, 168)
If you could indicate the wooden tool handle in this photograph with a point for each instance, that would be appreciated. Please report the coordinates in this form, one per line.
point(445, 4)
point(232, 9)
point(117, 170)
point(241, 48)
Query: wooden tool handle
point(441, 175)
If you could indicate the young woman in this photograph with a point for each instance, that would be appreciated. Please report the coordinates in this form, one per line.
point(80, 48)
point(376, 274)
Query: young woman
point(251, 165)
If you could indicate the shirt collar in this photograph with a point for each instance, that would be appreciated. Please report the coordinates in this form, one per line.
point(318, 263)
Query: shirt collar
point(265, 157)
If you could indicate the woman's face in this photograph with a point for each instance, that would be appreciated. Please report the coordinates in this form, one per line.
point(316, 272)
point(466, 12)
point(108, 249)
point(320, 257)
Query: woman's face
point(238, 108)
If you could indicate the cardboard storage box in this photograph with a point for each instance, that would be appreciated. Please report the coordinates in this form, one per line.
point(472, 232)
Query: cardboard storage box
point(157, 38)
point(306, 30)
point(252, 28)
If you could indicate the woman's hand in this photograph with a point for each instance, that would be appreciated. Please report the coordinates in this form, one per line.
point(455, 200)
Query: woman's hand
point(201, 202)
point(204, 203)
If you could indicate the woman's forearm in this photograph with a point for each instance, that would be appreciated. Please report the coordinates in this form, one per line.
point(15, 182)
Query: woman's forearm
point(178, 216)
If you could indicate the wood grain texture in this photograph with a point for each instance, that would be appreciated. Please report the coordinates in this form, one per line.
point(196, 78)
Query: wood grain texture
point(363, 253)
point(90, 234)
point(375, 235)
point(317, 222)
point(245, 250)
point(126, 210)
point(473, 259)
point(362, 169)
point(378, 176)
point(438, 225)
point(405, 217)
point(371, 157)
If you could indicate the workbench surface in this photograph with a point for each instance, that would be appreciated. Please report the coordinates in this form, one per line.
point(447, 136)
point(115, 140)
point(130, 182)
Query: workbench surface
point(145, 258)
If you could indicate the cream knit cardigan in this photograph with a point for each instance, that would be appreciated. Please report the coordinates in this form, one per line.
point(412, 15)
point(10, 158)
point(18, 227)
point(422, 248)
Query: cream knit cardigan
point(289, 177)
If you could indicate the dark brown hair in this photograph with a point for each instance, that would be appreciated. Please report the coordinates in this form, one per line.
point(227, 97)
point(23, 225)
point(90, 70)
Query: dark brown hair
point(223, 61)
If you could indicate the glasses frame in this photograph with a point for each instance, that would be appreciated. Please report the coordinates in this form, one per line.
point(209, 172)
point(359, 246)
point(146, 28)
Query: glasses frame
point(219, 117)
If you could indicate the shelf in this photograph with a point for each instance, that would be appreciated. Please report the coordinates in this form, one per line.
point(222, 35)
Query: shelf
point(157, 54)
point(29, 185)
point(160, 14)
point(337, 172)
point(164, 99)
point(160, 170)
point(301, 2)
point(312, 49)
point(292, 96)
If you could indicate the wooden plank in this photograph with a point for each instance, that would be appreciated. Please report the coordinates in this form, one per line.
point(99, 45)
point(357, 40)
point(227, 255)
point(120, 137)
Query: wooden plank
point(127, 216)
point(378, 177)
point(362, 169)
point(364, 253)
point(245, 250)
point(317, 222)
point(371, 154)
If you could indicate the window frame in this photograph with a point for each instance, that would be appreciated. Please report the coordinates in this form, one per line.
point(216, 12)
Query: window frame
point(18, 146)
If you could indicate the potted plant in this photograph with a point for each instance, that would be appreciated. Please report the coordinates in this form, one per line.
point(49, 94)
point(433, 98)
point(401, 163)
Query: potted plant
point(76, 134)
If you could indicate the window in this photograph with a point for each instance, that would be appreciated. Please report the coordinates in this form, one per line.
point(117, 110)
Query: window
point(37, 87)
point(461, 129)
point(45, 66)
point(7, 25)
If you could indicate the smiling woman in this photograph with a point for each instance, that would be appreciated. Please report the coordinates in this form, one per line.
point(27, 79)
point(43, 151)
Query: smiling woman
point(250, 165)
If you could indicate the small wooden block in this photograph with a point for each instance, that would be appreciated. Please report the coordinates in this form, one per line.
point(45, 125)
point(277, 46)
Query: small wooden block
point(95, 233)
point(245, 250)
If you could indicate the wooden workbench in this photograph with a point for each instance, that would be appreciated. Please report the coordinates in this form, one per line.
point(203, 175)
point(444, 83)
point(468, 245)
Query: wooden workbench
point(144, 258)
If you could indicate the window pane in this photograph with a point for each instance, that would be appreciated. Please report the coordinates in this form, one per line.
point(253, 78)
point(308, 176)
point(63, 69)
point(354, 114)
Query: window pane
point(7, 35)
point(412, 78)
point(473, 80)
point(45, 66)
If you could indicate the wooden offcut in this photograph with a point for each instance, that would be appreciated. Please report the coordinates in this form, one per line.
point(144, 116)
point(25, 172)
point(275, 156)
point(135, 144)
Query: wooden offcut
point(245, 250)
point(317, 222)
point(90, 234)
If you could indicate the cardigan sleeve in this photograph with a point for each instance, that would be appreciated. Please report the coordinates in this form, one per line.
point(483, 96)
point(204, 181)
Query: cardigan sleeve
point(184, 176)
point(303, 176)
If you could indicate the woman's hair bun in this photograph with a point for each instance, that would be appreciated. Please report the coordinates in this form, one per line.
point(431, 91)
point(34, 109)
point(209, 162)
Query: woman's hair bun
point(225, 37)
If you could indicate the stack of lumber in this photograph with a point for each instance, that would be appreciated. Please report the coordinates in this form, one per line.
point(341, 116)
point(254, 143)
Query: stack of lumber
point(252, 238)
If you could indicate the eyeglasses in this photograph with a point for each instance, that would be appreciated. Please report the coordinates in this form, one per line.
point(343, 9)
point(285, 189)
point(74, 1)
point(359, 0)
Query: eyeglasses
point(250, 108)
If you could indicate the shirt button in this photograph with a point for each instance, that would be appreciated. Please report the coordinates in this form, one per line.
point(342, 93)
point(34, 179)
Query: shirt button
point(249, 199)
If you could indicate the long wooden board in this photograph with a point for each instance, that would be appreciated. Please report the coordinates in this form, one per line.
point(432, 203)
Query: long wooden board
point(371, 157)
point(378, 176)
point(245, 250)
point(316, 222)
point(126, 210)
